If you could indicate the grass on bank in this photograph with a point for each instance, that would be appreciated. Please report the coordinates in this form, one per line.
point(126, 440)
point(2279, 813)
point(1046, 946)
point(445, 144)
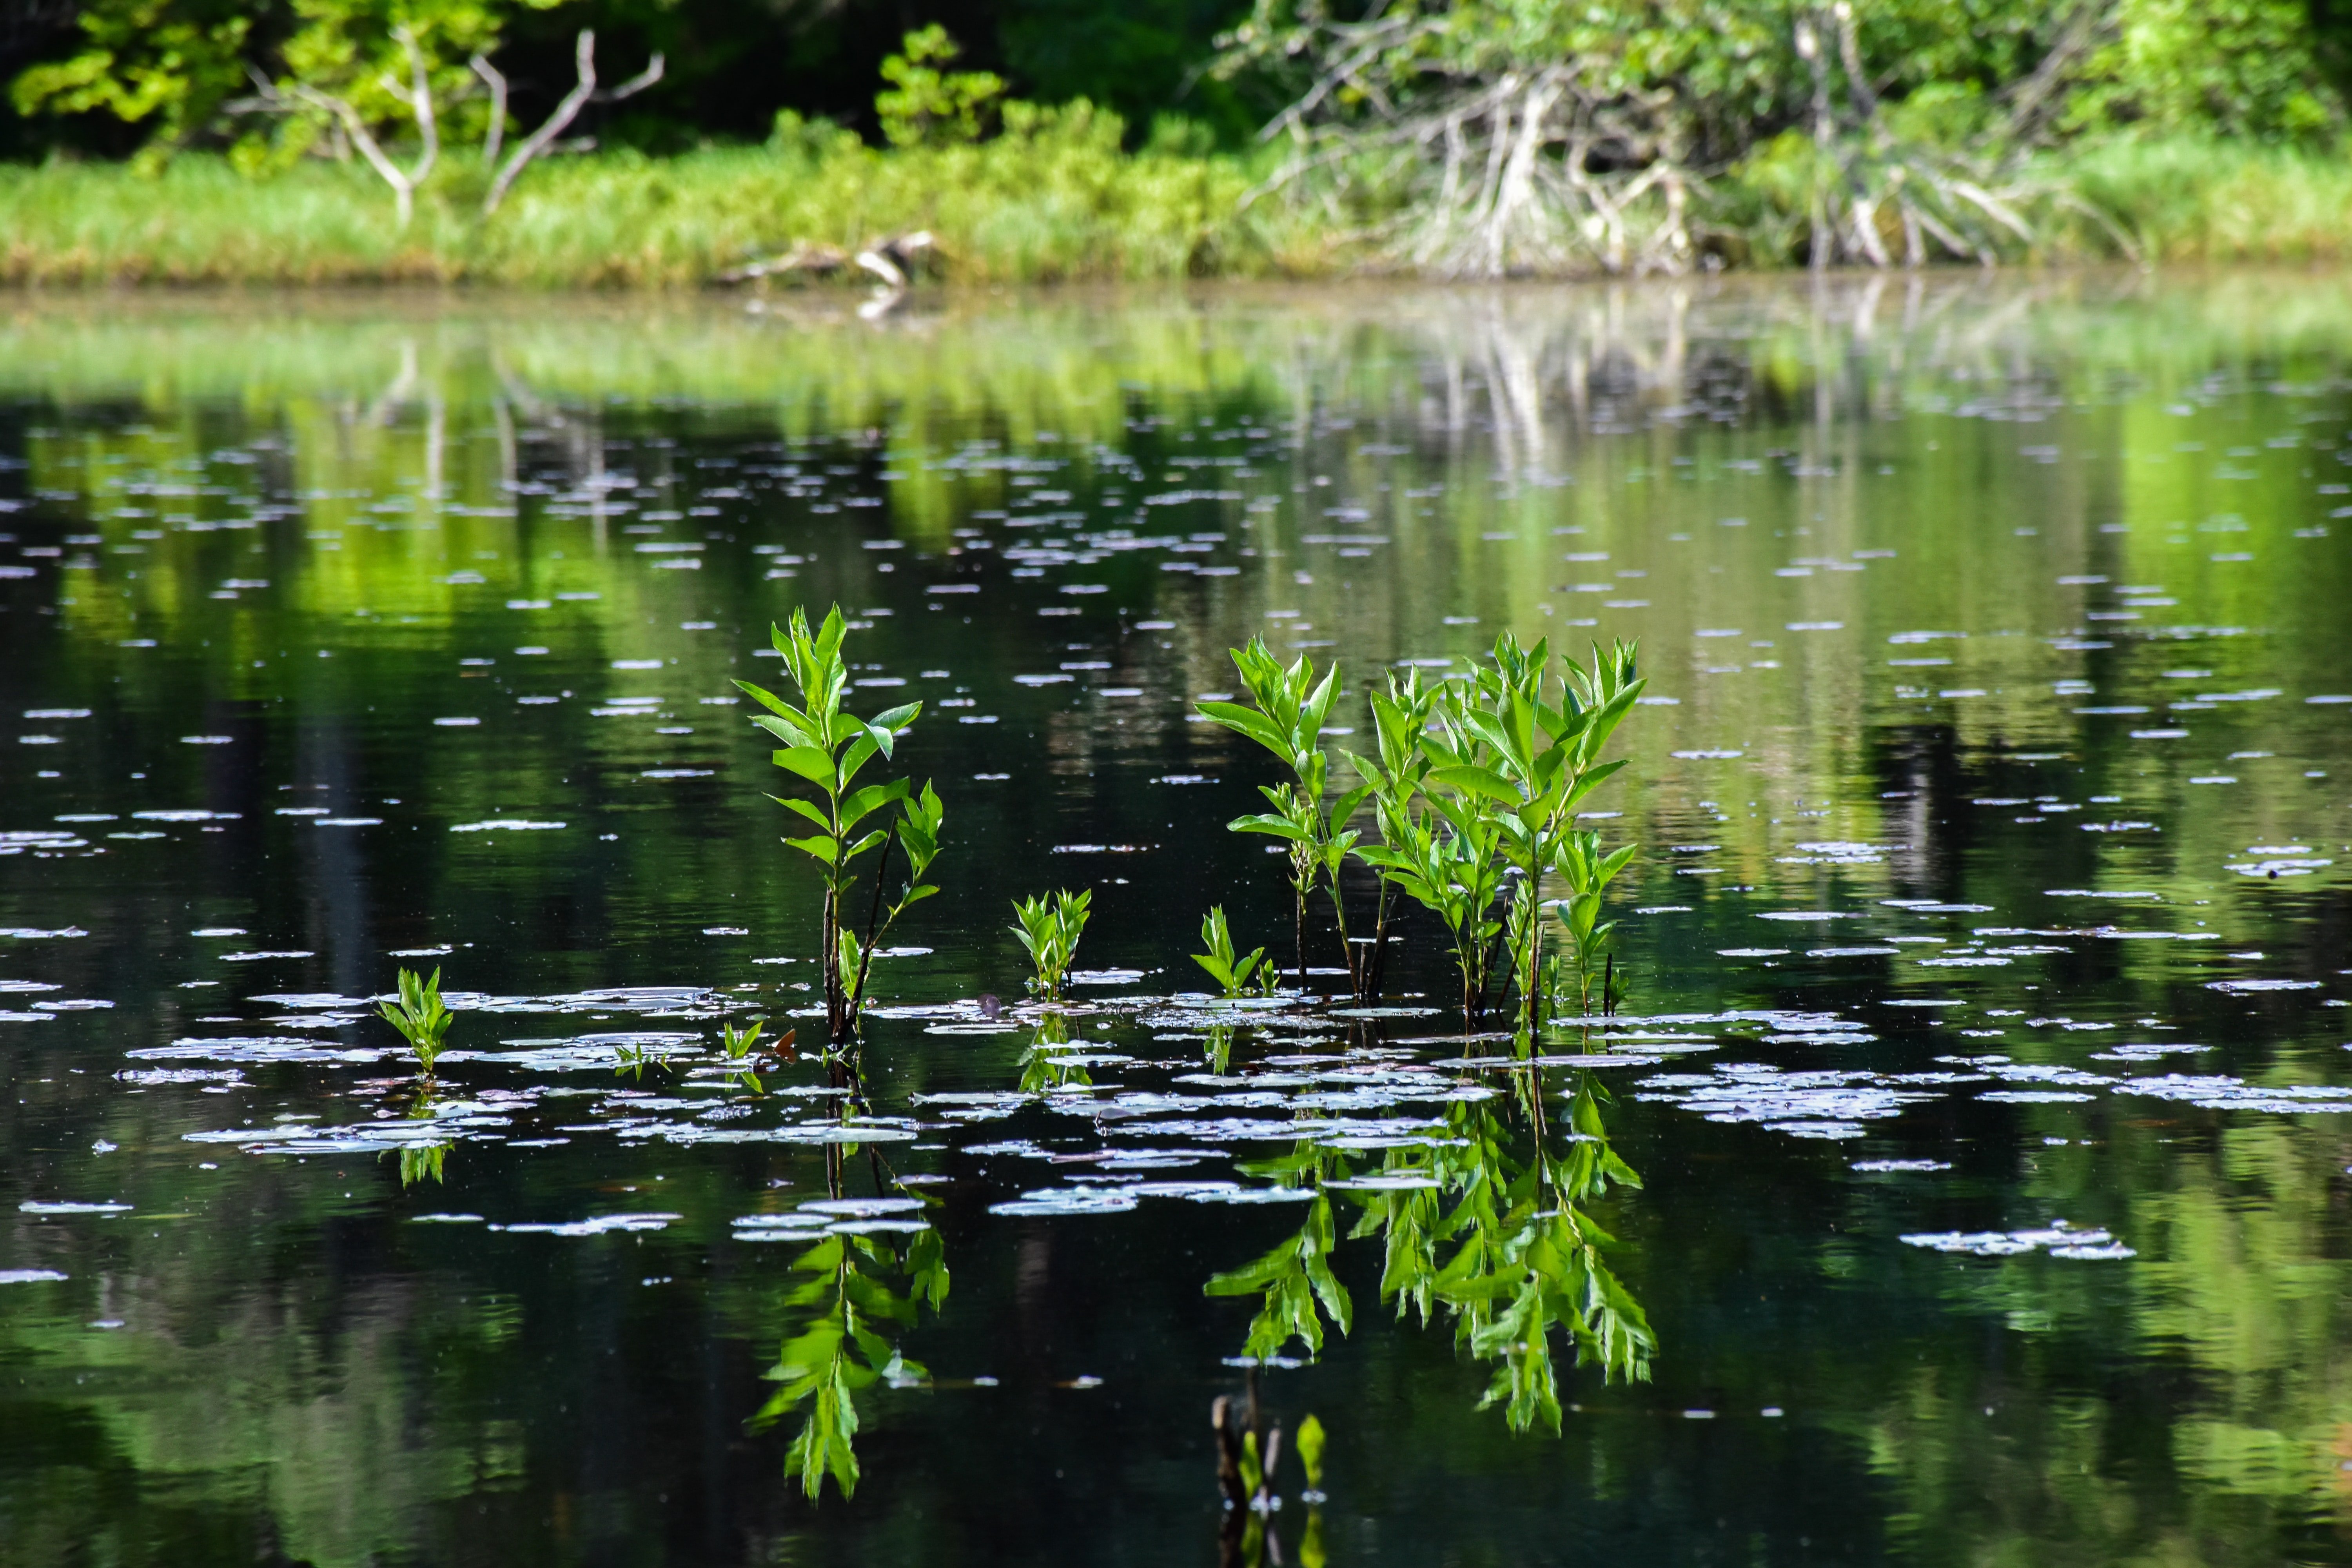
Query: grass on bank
point(1054, 199)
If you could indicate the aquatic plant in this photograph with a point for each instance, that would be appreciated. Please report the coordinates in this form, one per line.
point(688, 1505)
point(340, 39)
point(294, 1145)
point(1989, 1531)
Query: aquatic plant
point(418, 1015)
point(1442, 853)
point(1521, 749)
point(1400, 717)
point(634, 1060)
point(1050, 929)
point(1292, 709)
point(1474, 794)
point(827, 747)
point(1587, 872)
point(1231, 974)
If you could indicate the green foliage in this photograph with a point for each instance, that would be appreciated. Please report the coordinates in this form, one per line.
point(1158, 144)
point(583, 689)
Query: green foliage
point(1291, 1281)
point(928, 106)
point(860, 1290)
point(2235, 67)
point(827, 747)
point(1588, 873)
point(169, 64)
point(418, 1015)
point(181, 65)
point(1476, 785)
point(1231, 974)
point(1049, 930)
point(1288, 720)
point(1310, 1444)
point(1484, 1227)
point(738, 1042)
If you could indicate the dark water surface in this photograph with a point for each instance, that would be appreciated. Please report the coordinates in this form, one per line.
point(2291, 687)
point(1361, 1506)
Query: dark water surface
point(1984, 1071)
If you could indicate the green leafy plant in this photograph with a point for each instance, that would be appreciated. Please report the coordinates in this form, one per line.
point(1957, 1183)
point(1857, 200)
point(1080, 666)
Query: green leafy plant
point(827, 747)
point(1521, 749)
point(1587, 872)
point(740, 1046)
point(634, 1060)
point(418, 1015)
point(1292, 707)
point(1231, 974)
point(1476, 793)
point(1050, 929)
point(1310, 1444)
point(926, 105)
point(1400, 717)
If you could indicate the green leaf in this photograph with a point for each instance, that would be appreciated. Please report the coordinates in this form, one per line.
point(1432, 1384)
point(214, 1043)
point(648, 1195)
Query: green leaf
point(821, 846)
point(811, 763)
point(1250, 723)
point(1484, 783)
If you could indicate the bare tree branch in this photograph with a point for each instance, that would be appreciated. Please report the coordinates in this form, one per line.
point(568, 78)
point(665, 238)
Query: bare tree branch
point(495, 136)
point(565, 111)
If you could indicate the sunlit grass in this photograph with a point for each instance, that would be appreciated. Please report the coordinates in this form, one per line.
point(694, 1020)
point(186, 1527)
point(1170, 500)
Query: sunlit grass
point(1060, 203)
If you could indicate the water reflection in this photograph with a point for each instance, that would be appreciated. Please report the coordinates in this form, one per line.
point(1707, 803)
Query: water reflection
point(1993, 793)
point(872, 1265)
point(1479, 1223)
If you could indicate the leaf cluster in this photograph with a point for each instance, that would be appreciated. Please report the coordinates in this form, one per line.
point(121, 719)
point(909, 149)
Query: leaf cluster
point(418, 1015)
point(827, 748)
point(1230, 973)
point(1486, 1234)
point(859, 1291)
point(1049, 930)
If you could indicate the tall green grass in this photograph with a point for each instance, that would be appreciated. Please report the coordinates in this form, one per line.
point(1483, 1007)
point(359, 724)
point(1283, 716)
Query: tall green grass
point(2190, 200)
point(1056, 199)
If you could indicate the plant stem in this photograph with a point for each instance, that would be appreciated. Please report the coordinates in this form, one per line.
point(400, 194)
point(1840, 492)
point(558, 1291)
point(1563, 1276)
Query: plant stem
point(874, 916)
point(1298, 931)
point(1347, 949)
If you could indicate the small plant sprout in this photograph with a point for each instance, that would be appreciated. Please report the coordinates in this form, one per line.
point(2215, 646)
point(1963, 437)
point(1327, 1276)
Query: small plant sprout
point(634, 1060)
point(1050, 929)
point(1232, 975)
point(419, 1016)
point(1310, 1444)
point(738, 1042)
point(827, 747)
point(1587, 872)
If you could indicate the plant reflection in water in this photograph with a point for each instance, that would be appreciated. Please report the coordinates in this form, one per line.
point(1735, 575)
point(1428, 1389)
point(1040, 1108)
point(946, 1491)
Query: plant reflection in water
point(864, 1281)
point(1481, 1223)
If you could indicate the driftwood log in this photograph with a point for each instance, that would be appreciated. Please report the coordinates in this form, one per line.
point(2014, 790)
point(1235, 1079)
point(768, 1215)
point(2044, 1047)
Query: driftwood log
point(893, 261)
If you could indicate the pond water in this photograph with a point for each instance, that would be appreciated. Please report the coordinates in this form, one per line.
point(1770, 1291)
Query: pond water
point(1966, 1168)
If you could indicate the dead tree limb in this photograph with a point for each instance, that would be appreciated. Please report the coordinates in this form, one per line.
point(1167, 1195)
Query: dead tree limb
point(565, 111)
point(495, 79)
